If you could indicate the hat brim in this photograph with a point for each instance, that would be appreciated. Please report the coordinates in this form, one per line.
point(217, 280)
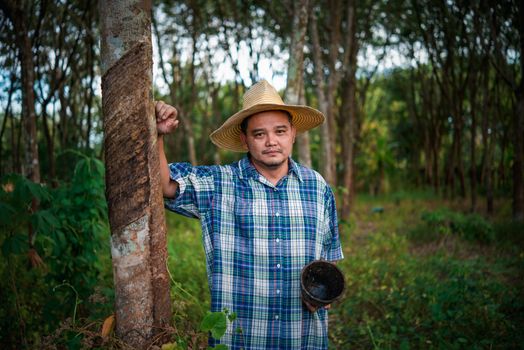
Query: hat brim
point(227, 136)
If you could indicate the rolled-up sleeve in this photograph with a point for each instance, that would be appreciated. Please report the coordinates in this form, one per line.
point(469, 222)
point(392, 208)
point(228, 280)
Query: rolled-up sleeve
point(195, 189)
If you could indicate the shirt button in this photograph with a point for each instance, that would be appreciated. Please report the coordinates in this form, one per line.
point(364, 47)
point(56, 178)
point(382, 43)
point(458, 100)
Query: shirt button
point(276, 317)
point(277, 240)
point(277, 214)
point(278, 266)
point(278, 291)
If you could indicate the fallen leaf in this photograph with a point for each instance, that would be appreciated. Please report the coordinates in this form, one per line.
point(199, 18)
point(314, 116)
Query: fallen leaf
point(108, 326)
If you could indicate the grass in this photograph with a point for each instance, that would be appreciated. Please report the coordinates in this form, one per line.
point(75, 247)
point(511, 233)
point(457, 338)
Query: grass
point(414, 282)
point(189, 287)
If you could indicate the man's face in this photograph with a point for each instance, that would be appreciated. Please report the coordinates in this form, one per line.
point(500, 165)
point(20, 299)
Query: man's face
point(269, 138)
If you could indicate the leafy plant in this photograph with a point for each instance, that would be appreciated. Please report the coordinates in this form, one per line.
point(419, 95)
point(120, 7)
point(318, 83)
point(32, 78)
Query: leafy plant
point(51, 237)
point(216, 324)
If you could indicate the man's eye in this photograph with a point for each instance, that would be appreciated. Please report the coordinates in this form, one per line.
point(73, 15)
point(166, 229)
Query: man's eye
point(259, 134)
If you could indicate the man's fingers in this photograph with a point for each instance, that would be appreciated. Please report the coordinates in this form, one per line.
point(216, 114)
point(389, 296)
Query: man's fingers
point(310, 307)
point(167, 126)
point(164, 111)
point(168, 111)
point(173, 112)
point(313, 308)
point(158, 106)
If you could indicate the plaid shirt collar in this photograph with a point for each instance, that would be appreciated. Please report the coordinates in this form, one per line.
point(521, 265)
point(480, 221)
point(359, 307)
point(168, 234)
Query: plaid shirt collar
point(248, 170)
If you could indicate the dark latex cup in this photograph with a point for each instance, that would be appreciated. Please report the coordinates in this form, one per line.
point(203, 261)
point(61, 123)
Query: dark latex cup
point(321, 283)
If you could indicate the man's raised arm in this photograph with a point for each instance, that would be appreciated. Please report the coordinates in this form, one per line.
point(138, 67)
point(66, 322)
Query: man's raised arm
point(166, 123)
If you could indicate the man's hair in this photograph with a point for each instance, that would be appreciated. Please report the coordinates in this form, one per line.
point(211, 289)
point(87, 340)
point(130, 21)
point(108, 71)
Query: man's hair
point(243, 125)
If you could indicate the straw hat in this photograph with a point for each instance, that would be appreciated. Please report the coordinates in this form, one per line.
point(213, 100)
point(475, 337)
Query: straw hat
point(259, 98)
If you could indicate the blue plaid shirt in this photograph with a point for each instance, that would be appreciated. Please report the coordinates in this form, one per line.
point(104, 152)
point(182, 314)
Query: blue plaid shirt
point(257, 238)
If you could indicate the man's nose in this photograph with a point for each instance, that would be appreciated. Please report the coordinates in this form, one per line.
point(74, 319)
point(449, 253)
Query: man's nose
point(271, 139)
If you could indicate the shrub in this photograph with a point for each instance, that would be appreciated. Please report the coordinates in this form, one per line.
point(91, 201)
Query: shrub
point(68, 252)
point(471, 227)
point(510, 232)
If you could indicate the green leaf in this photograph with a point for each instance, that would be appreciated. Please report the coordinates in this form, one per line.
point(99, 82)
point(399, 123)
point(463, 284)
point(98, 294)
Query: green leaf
point(216, 323)
point(43, 221)
point(6, 213)
point(38, 191)
point(99, 167)
point(221, 347)
point(16, 244)
point(404, 345)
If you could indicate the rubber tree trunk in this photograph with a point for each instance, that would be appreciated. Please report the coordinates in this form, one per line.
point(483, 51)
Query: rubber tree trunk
point(326, 134)
point(518, 126)
point(295, 72)
point(349, 114)
point(136, 213)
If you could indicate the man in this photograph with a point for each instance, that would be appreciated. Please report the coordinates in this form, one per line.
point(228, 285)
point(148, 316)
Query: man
point(263, 219)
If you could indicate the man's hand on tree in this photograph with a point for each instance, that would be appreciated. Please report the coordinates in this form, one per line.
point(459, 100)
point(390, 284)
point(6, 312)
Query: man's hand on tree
point(166, 118)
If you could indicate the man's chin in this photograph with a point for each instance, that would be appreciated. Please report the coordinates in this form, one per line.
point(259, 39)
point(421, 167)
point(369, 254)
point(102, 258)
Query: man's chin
point(275, 163)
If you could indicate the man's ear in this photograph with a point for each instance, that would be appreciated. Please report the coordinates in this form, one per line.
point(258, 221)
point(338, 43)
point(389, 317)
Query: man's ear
point(243, 139)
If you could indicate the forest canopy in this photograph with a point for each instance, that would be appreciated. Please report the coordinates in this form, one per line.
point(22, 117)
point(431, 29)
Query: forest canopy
point(415, 93)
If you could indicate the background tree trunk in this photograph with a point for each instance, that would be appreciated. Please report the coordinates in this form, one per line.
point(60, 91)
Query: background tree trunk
point(136, 213)
point(348, 113)
point(295, 72)
point(473, 153)
point(7, 113)
point(518, 129)
point(327, 157)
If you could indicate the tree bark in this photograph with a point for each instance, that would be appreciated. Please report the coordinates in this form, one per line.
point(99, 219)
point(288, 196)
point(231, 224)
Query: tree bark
point(473, 153)
point(327, 157)
point(136, 214)
point(7, 113)
point(188, 123)
point(489, 145)
point(295, 72)
point(518, 163)
point(348, 114)
point(335, 18)
point(518, 129)
point(90, 92)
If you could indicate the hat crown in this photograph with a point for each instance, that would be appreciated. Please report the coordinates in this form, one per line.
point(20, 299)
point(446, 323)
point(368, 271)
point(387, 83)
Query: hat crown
point(261, 93)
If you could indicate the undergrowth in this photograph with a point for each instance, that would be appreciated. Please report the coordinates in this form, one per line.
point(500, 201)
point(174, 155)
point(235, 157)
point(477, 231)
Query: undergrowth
point(436, 278)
